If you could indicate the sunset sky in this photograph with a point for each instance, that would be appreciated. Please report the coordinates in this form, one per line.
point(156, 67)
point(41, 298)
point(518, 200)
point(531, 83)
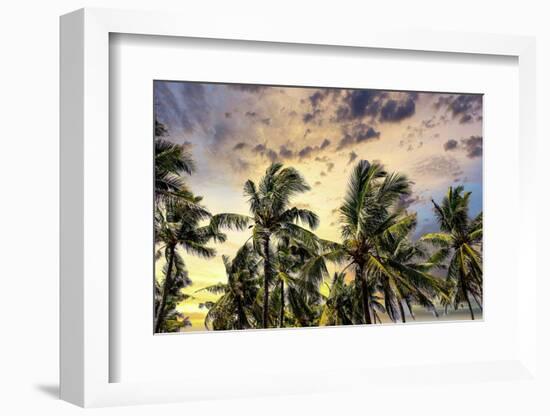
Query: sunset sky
point(235, 131)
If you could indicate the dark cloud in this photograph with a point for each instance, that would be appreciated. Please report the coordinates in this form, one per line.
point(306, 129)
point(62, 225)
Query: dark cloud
point(352, 157)
point(250, 114)
point(227, 115)
point(325, 144)
point(305, 152)
point(450, 144)
point(285, 152)
point(271, 155)
point(309, 117)
point(395, 111)
point(465, 107)
point(347, 140)
point(240, 146)
point(359, 133)
point(330, 166)
point(377, 105)
point(259, 148)
point(266, 121)
point(473, 146)
point(251, 88)
point(358, 104)
point(317, 183)
point(320, 95)
point(364, 132)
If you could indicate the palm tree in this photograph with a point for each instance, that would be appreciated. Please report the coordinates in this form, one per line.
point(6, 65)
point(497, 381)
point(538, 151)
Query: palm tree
point(181, 227)
point(171, 161)
point(410, 261)
point(273, 217)
point(460, 237)
point(234, 309)
point(365, 216)
point(291, 289)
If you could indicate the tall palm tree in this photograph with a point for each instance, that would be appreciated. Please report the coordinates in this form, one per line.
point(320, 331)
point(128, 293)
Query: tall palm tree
point(461, 238)
point(180, 227)
point(234, 309)
point(273, 217)
point(365, 215)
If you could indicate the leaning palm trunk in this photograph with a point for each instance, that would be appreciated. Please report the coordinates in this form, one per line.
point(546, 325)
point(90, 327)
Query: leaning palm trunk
point(282, 310)
point(159, 316)
point(465, 294)
point(364, 294)
point(267, 271)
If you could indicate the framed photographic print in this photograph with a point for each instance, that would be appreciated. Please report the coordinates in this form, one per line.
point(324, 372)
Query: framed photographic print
point(265, 203)
point(269, 213)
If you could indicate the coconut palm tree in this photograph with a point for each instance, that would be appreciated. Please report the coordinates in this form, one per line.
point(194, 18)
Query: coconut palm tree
point(461, 238)
point(171, 162)
point(411, 262)
point(273, 217)
point(365, 215)
point(234, 309)
point(289, 258)
point(180, 227)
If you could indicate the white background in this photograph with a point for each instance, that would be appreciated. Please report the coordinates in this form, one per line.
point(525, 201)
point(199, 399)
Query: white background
point(29, 209)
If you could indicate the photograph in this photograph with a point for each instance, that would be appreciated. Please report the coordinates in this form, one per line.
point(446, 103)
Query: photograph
point(302, 206)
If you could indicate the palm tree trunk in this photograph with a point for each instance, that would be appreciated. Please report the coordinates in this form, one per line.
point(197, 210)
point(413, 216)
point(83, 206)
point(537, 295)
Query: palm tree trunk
point(465, 293)
point(364, 294)
point(401, 311)
point(240, 314)
point(159, 316)
point(282, 311)
point(267, 272)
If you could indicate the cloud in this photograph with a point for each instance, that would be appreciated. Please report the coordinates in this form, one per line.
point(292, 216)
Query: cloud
point(359, 133)
point(305, 152)
point(352, 157)
point(405, 201)
point(386, 107)
point(271, 155)
point(250, 114)
point(285, 152)
point(473, 146)
point(439, 166)
point(450, 144)
point(240, 146)
point(395, 111)
point(358, 104)
point(182, 106)
point(309, 117)
point(259, 148)
point(324, 144)
point(465, 107)
point(330, 166)
point(363, 132)
point(250, 88)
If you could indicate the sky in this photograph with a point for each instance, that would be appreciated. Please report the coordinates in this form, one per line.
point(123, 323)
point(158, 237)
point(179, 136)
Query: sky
point(234, 131)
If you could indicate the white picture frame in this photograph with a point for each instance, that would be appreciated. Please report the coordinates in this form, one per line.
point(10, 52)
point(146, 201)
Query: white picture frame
point(85, 355)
